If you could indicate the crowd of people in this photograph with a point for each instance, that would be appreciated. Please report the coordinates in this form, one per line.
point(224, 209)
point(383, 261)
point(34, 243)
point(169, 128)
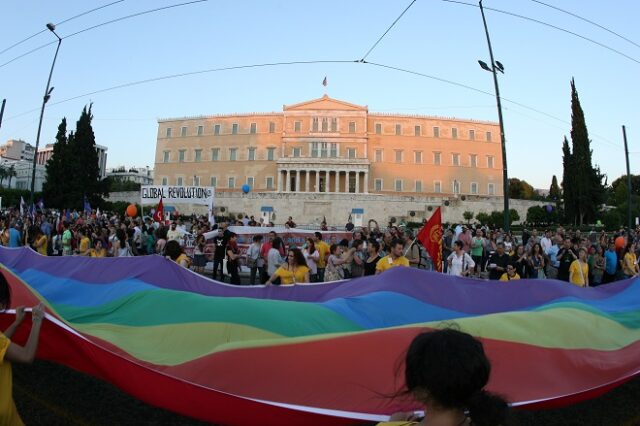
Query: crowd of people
point(583, 259)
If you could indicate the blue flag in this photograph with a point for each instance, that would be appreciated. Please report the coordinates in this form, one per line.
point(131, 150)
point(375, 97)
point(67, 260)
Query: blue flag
point(87, 206)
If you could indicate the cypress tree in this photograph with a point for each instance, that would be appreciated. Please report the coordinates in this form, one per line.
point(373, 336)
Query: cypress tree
point(554, 190)
point(568, 184)
point(55, 187)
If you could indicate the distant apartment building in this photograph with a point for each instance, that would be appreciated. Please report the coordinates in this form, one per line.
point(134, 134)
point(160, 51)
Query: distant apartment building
point(16, 149)
point(44, 154)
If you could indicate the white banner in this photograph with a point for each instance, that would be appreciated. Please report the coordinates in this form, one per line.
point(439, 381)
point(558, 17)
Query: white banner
point(202, 195)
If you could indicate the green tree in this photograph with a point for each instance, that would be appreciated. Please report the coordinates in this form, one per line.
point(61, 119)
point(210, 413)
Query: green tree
point(514, 216)
point(3, 175)
point(483, 218)
point(521, 190)
point(582, 182)
point(554, 190)
point(11, 173)
point(467, 216)
point(58, 171)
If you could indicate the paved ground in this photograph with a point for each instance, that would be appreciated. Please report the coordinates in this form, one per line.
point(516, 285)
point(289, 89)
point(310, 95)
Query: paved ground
point(52, 395)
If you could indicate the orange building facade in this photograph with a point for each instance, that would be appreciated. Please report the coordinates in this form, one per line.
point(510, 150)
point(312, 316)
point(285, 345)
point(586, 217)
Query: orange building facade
point(331, 146)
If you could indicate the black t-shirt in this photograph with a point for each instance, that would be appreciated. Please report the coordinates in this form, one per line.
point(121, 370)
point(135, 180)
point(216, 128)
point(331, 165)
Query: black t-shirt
point(370, 267)
point(566, 260)
point(220, 244)
point(501, 261)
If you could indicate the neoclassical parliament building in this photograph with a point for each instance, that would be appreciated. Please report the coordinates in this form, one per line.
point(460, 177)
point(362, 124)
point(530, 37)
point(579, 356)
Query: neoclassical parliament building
point(330, 146)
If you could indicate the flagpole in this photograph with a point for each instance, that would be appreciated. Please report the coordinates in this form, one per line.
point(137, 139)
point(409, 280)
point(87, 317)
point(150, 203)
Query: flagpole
point(412, 242)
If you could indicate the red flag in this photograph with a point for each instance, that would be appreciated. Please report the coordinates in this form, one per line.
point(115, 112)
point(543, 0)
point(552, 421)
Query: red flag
point(431, 238)
point(158, 216)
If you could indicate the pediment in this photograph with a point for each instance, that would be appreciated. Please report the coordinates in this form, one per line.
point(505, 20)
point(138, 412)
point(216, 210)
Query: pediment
point(324, 103)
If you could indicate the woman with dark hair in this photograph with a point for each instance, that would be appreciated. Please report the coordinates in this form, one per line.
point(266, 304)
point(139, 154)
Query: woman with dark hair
point(536, 262)
point(629, 260)
point(161, 239)
point(447, 370)
point(312, 256)
point(334, 270)
point(174, 251)
point(120, 245)
point(373, 249)
point(295, 270)
point(11, 352)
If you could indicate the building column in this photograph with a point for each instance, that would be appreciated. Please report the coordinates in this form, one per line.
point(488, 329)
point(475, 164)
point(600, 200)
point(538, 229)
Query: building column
point(366, 182)
point(346, 181)
point(306, 187)
point(287, 182)
point(297, 188)
point(279, 180)
point(337, 180)
point(357, 182)
point(317, 180)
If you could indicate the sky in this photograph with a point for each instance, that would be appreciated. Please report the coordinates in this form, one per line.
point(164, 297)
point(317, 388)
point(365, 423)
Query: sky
point(434, 37)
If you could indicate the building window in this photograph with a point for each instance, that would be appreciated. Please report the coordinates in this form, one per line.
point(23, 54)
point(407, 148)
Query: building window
point(271, 153)
point(491, 190)
point(215, 154)
point(315, 124)
point(474, 188)
point(398, 129)
point(436, 132)
point(164, 181)
point(272, 127)
point(472, 135)
point(456, 187)
point(436, 158)
point(179, 181)
point(379, 156)
point(253, 128)
point(334, 124)
point(325, 124)
point(351, 152)
point(233, 154)
point(250, 181)
point(490, 161)
point(198, 155)
point(297, 126)
point(352, 127)
point(251, 154)
point(165, 156)
point(454, 133)
point(232, 182)
point(473, 160)
point(269, 182)
point(418, 130)
point(378, 129)
point(214, 181)
point(216, 129)
point(183, 132)
point(417, 157)
point(169, 130)
point(399, 156)
point(296, 152)
point(455, 159)
point(488, 136)
point(200, 130)
point(181, 155)
point(398, 185)
point(196, 181)
point(418, 186)
point(378, 185)
point(437, 187)
point(334, 150)
point(234, 129)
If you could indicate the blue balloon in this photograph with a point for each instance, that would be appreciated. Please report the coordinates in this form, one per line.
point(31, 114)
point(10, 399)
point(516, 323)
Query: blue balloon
point(246, 188)
point(549, 208)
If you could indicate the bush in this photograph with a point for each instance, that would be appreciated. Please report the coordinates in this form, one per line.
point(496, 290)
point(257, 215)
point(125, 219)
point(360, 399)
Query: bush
point(483, 218)
point(11, 197)
point(467, 216)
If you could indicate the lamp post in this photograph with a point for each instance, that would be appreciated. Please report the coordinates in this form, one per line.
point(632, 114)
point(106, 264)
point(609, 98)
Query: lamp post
point(496, 67)
point(45, 99)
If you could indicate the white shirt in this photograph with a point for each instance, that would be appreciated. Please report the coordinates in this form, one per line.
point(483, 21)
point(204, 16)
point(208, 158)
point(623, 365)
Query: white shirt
point(546, 244)
point(274, 260)
point(457, 262)
point(311, 260)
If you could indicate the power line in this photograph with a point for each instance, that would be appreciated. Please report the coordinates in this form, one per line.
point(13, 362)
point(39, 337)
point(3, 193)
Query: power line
point(186, 74)
point(550, 26)
point(122, 18)
point(388, 29)
point(60, 23)
point(587, 20)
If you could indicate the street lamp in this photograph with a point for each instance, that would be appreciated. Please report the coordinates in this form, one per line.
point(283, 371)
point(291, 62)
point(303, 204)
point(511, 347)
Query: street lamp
point(47, 94)
point(496, 67)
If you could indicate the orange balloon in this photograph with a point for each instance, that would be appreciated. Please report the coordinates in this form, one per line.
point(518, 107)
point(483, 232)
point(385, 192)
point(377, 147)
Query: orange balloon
point(620, 242)
point(132, 210)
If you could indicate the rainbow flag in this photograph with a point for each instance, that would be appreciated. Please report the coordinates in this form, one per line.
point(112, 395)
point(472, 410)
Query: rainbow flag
point(316, 354)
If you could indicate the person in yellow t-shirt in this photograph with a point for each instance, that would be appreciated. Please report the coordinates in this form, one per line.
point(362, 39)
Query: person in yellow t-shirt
point(579, 269)
point(394, 258)
point(294, 271)
point(98, 250)
point(629, 261)
point(324, 250)
point(511, 274)
point(40, 242)
point(84, 248)
point(12, 352)
point(174, 251)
